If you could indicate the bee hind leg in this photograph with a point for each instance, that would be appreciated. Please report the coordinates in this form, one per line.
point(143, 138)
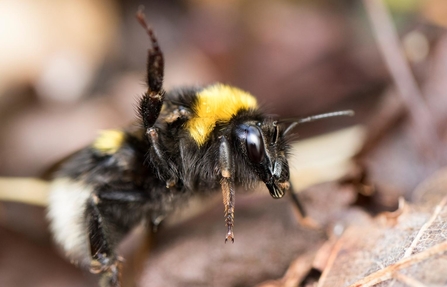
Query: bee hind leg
point(104, 259)
point(104, 236)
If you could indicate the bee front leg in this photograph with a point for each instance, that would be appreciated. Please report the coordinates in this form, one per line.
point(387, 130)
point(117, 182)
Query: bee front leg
point(226, 182)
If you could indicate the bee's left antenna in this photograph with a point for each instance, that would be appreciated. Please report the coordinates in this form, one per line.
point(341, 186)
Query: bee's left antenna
point(313, 118)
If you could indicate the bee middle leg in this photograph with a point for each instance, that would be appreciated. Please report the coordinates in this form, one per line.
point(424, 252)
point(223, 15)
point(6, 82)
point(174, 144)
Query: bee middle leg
point(297, 203)
point(303, 218)
point(168, 171)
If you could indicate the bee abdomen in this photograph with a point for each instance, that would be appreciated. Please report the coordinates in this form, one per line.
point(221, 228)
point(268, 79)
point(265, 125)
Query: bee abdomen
point(66, 213)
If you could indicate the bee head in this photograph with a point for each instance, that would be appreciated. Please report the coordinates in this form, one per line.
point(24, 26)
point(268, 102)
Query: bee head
point(263, 144)
point(264, 148)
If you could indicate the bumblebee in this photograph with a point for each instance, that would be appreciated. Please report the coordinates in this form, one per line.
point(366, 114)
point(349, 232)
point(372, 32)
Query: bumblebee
point(186, 141)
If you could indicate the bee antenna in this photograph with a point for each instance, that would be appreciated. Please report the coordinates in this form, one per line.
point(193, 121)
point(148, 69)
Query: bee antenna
point(313, 118)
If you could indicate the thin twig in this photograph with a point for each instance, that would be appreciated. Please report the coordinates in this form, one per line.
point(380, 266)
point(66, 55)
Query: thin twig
point(390, 111)
point(408, 280)
point(399, 68)
point(330, 262)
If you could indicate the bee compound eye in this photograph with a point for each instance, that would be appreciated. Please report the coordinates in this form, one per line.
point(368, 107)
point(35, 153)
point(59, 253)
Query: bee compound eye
point(255, 145)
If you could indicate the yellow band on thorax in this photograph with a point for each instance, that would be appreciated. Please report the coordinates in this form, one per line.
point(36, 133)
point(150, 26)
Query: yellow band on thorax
point(109, 141)
point(217, 103)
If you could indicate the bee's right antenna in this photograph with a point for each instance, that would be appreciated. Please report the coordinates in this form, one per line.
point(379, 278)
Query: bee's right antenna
point(309, 119)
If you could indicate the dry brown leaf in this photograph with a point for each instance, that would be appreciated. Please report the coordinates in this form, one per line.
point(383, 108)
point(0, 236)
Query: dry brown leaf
point(409, 252)
point(334, 201)
point(296, 272)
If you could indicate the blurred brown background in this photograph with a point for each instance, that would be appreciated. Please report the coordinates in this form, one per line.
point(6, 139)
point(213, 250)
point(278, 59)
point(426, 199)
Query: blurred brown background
point(69, 68)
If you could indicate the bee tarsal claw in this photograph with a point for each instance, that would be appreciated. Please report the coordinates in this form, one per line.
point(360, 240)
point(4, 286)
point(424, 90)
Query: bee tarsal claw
point(230, 235)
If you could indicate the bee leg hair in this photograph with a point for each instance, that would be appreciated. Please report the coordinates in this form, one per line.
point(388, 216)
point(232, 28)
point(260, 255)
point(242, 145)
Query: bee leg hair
point(226, 182)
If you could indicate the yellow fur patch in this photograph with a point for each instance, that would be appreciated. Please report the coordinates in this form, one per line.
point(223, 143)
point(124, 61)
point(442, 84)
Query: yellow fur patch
point(217, 103)
point(109, 141)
